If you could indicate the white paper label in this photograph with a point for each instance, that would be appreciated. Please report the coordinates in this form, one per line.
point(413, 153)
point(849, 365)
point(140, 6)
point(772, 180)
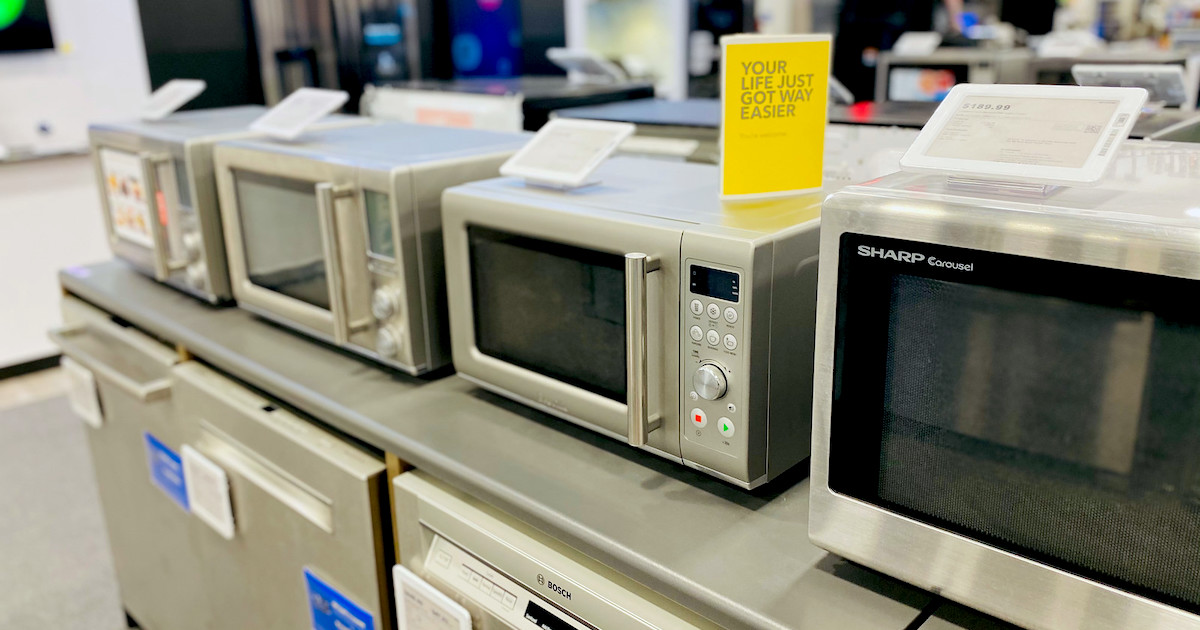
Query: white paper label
point(419, 606)
point(301, 108)
point(208, 491)
point(81, 392)
point(171, 96)
point(126, 192)
point(1032, 131)
point(566, 152)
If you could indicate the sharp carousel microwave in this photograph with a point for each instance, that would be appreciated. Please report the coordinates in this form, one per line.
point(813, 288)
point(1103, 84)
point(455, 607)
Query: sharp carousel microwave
point(160, 197)
point(467, 565)
point(1007, 392)
point(339, 235)
point(644, 309)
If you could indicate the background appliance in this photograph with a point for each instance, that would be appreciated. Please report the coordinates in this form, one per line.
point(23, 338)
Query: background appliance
point(505, 574)
point(159, 194)
point(338, 235)
point(24, 25)
point(1005, 392)
point(642, 309)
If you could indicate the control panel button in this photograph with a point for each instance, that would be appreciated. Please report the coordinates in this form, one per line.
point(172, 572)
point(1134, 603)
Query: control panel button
point(464, 572)
point(730, 342)
point(388, 341)
point(197, 275)
point(476, 579)
point(725, 426)
point(709, 381)
point(497, 593)
point(699, 420)
point(697, 307)
point(714, 311)
point(731, 407)
point(510, 601)
point(714, 337)
point(442, 558)
point(193, 245)
point(384, 303)
point(731, 315)
point(697, 333)
point(486, 587)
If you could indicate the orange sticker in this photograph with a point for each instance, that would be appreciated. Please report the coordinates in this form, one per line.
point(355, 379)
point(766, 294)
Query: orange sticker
point(162, 206)
point(444, 118)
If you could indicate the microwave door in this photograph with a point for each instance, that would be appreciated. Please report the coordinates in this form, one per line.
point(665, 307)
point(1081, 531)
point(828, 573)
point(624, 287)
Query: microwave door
point(344, 243)
point(135, 206)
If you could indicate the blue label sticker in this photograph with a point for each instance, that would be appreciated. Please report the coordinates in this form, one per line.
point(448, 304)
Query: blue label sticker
point(166, 470)
point(333, 611)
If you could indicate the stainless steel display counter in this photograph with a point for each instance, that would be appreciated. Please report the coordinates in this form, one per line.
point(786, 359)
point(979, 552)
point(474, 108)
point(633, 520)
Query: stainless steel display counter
point(740, 559)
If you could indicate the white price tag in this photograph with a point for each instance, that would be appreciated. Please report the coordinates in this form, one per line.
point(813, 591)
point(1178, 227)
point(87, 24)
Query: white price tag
point(1045, 134)
point(171, 96)
point(917, 43)
point(565, 153)
point(208, 492)
point(298, 111)
point(420, 606)
point(81, 392)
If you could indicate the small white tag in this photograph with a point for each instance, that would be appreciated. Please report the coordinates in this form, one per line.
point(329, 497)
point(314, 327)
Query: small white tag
point(171, 96)
point(1041, 134)
point(81, 393)
point(565, 153)
point(420, 606)
point(208, 491)
point(301, 108)
point(917, 43)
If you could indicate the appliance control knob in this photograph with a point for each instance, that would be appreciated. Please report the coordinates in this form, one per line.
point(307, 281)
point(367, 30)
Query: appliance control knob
point(197, 275)
point(709, 381)
point(192, 245)
point(388, 341)
point(385, 302)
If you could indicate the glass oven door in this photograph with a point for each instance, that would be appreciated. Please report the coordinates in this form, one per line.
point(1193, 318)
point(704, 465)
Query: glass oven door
point(575, 313)
point(139, 196)
point(1045, 408)
point(294, 238)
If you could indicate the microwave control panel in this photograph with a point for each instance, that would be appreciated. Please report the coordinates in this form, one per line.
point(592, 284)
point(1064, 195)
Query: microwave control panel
point(714, 389)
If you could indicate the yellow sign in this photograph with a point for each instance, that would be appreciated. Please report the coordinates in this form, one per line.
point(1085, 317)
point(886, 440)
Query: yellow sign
point(773, 113)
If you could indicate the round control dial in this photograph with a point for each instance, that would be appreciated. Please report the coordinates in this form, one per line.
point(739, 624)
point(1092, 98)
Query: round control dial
point(193, 243)
point(385, 302)
point(709, 381)
point(388, 341)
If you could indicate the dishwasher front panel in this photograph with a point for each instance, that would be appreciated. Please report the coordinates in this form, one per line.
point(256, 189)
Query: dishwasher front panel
point(158, 572)
point(309, 511)
point(509, 576)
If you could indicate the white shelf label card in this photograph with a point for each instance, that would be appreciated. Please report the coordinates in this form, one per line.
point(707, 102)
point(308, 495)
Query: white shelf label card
point(170, 97)
point(565, 153)
point(82, 394)
point(420, 606)
point(208, 492)
point(1045, 134)
point(298, 111)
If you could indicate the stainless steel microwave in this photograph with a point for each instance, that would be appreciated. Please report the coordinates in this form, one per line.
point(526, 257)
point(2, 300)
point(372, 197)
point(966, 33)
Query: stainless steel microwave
point(643, 309)
point(160, 197)
point(339, 235)
point(467, 565)
point(1007, 392)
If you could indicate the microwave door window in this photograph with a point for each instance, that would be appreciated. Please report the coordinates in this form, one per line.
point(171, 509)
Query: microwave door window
point(1059, 421)
point(281, 234)
point(554, 309)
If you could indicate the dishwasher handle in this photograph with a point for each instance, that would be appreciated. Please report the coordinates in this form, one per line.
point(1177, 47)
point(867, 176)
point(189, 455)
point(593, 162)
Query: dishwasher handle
point(149, 391)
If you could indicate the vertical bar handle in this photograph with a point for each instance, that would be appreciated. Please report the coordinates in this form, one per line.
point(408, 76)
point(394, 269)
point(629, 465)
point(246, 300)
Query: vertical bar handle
point(327, 197)
point(162, 261)
point(637, 369)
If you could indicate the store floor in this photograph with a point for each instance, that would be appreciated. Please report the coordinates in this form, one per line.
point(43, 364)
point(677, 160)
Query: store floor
point(55, 567)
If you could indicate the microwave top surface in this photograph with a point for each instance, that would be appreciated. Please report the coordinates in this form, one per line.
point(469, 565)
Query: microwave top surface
point(675, 191)
point(209, 124)
point(384, 146)
point(1148, 182)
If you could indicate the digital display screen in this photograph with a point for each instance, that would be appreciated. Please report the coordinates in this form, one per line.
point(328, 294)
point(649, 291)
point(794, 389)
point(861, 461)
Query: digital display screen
point(542, 618)
point(24, 25)
point(714, 283)
point(929, 85)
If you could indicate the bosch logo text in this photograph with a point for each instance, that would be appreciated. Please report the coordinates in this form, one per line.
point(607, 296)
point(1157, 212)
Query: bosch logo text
point(912, 258)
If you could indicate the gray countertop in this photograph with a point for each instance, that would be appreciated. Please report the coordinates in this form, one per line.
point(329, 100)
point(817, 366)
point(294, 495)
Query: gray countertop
point(741, 559)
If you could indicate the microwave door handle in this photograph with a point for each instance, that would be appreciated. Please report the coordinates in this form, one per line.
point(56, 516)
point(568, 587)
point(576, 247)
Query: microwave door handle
point(327, 198)
point(162, 263)
point(637, 370)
